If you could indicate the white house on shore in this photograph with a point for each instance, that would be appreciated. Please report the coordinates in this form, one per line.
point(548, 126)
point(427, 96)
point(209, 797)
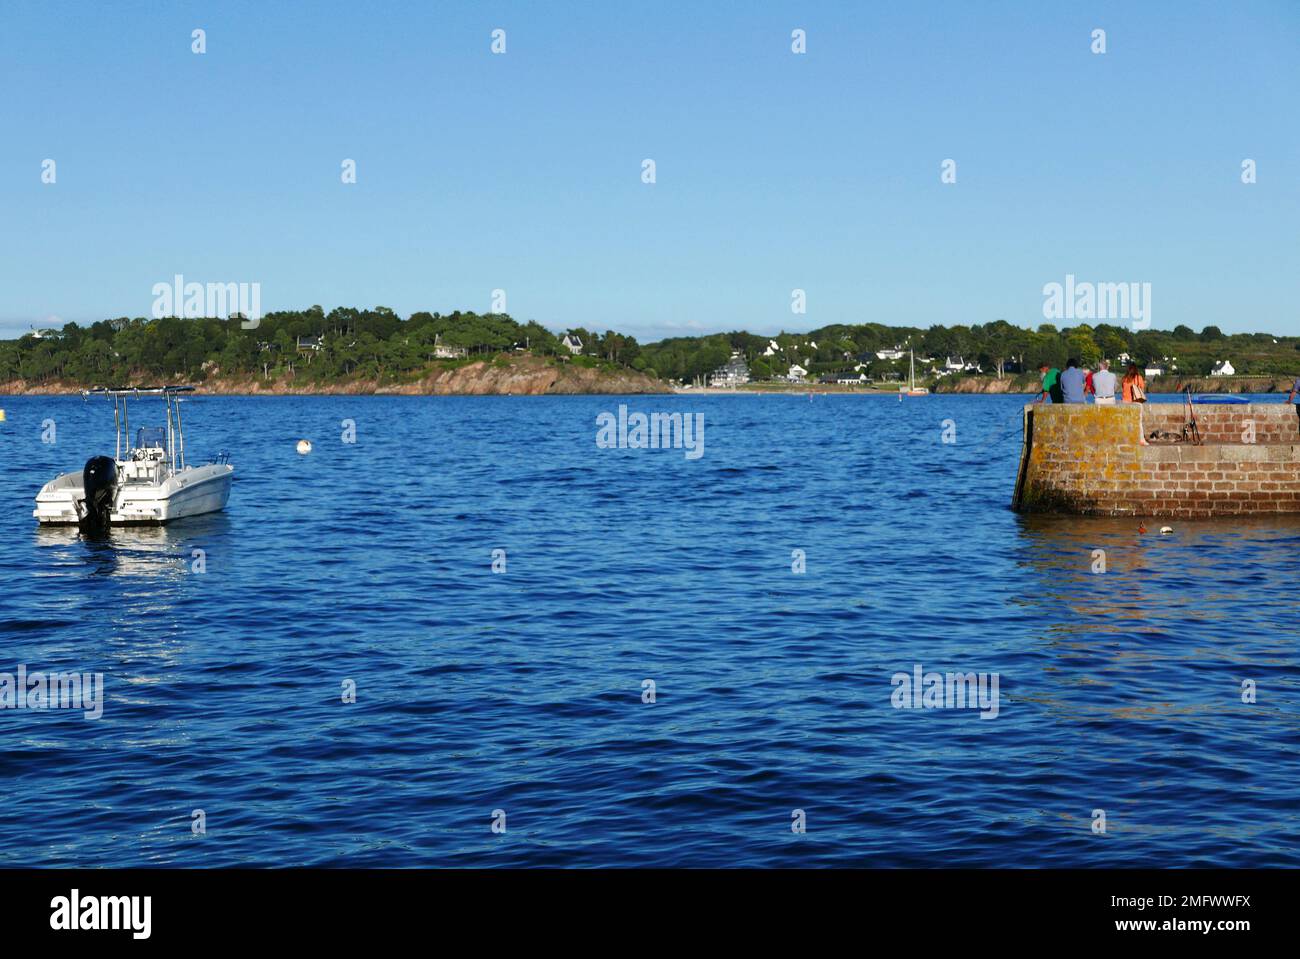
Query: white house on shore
point(797, 373)
point(571, 343)
point(443, 352)
point(1223, 369)
point(734, 372)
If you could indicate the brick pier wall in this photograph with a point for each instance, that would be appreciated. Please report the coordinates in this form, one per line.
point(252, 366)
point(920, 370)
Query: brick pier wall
point(1081, 458)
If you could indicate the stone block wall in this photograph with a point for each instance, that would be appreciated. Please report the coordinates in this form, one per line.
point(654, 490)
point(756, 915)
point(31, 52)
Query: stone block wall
point(1081, 458)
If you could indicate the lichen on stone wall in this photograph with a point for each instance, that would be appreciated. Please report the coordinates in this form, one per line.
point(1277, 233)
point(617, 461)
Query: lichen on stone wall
point(1087, 459)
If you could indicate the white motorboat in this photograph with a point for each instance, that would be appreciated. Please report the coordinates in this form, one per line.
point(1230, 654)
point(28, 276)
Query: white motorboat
point(148, 481)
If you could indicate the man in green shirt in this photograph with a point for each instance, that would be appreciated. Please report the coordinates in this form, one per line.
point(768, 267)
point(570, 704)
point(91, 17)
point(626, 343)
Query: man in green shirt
point(1051, 385)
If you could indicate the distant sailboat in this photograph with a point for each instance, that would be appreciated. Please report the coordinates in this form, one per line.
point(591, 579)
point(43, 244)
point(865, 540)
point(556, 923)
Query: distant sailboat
point(912, 389)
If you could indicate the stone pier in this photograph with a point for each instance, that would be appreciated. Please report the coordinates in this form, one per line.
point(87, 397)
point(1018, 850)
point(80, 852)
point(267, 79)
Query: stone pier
point(1080, 458)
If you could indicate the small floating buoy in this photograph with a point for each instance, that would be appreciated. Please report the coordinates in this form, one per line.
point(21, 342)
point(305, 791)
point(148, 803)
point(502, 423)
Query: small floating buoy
point(2, 416)
point(1166, 529)
point(1141, 528)
point(304, 447)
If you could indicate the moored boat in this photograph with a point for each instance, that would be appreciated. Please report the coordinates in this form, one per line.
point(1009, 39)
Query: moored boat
point(147, 480)
point(912, 389)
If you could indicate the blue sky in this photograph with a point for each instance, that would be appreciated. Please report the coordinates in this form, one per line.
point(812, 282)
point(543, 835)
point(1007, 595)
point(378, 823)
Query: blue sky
point(775, 171)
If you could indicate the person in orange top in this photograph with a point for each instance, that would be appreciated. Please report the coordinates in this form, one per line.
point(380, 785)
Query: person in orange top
point(1134, 387)
point(1131, 379)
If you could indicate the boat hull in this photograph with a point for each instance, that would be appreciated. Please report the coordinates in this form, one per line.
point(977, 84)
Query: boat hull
point(191, 492)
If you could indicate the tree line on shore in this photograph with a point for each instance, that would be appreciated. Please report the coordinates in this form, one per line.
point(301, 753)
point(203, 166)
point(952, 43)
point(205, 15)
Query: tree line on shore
point(997, 349)
point(309, 345)
point(346, 343)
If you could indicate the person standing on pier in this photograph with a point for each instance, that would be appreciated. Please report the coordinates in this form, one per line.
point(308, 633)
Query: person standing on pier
point(1134, 386)
point(1103, 385)
point(1051, 385)
point(1073, 382)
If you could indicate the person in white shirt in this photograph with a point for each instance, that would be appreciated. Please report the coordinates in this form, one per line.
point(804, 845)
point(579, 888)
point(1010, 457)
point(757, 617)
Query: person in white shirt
point(1103, 384)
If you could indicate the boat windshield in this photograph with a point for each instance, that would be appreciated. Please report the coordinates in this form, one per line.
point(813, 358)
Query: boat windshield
point(147, 437)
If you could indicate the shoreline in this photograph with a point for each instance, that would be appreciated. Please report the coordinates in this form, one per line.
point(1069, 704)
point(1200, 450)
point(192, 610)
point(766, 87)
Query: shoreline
point(480, 379)
point(199, 390)
point(503, 375)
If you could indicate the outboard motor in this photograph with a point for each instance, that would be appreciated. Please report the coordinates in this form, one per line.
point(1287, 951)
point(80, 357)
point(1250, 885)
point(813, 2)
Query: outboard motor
point(99, 481)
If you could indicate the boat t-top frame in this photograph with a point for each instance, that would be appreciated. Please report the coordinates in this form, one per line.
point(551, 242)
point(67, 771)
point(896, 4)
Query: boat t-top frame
point(175, 449)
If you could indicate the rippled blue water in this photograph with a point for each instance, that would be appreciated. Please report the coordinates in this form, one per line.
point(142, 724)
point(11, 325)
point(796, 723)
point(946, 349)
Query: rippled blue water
point(522, 691)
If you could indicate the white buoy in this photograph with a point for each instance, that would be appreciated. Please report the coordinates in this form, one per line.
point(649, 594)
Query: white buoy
point(304, 447)
point(1166, 529)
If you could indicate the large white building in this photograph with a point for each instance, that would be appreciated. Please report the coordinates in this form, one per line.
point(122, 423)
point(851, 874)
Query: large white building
point(444, 352)
point(732, 373)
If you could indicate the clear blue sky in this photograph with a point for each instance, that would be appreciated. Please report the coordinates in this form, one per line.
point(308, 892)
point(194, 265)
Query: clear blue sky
point(775, 171)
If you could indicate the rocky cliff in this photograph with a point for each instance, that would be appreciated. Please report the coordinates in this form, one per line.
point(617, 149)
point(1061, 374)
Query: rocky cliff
point(986, 384)
point(504, 375)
